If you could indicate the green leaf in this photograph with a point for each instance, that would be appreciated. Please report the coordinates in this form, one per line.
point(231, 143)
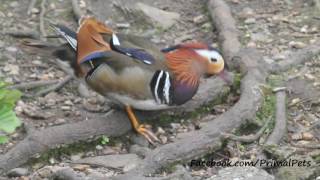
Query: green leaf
point(104, 140)
point(8, 119)
point(3, 139)
point(9, 97)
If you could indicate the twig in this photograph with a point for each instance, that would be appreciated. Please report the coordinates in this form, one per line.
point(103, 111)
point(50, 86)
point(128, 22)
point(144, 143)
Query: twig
point(33, 84)
point(248, 138)
point(280, 126)
point(307, 146)
point(54, 87)
point(32, 3)
point(24, 34)
point(76, 9)
point(41, 20)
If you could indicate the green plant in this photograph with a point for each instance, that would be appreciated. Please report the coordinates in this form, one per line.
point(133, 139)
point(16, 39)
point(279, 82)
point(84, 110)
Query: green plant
point(8, 119)
point(104, 140)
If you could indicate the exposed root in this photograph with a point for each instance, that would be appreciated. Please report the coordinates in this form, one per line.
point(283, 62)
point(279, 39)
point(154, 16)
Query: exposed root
point(280, 127)
point(228, 32)
point(248, 138)
point(41, 20)
point(306, 146)
point(39, 141)
point(23, 34)
point(33, 84)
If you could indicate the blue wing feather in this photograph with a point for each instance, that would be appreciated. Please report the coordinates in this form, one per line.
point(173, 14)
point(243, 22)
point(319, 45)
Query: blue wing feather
point(95, 55)
point(138, 54)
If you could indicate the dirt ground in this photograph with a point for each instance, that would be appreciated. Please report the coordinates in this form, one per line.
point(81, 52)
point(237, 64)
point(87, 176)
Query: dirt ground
point(275, 28)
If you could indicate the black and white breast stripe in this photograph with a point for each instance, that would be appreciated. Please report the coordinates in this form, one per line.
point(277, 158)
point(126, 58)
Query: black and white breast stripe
point(161, 87)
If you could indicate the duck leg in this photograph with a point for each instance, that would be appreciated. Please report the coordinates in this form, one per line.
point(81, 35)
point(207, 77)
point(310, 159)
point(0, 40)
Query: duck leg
point(140, 128)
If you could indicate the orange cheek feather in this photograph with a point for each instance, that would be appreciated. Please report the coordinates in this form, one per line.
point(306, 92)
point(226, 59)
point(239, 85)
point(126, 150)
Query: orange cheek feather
point(215, 68)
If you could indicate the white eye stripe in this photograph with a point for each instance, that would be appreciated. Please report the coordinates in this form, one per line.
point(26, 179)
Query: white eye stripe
point(209, 54)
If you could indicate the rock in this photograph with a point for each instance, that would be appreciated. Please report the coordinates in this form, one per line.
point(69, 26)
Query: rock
point(75, 157)
point(299, 172)
point(111, 161)
point(17, 172)
point(108, 151)
point(297, 45)
point(99, 147)
point(59, 121)
point(14, 4)
point(123, 25)
point(140, 151)
point(160, 131)
point(11, 49)
point(199, 19)
point(262, 37)
point(35, 10)
point(163, 139)
point(159, 17)
point(11, 69)
point(241, 173)
point(310, 77)
point(83, 90)
point(246, 12)
point(175, 126)
point(250, 21)
point(140, 140)
point(81, 167)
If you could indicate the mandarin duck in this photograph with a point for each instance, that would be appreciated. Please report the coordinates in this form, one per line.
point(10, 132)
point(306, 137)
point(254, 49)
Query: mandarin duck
point(132, 72)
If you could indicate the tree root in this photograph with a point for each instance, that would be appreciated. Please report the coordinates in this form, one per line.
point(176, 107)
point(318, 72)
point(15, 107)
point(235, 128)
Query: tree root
point(306, 146)
point(248, 138)
point(280, 127)
point(23, 34)
point(41, 20)
point(33, 84)
point(115, 124)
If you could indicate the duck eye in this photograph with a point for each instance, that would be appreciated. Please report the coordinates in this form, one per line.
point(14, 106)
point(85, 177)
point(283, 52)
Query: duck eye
point(213, 60)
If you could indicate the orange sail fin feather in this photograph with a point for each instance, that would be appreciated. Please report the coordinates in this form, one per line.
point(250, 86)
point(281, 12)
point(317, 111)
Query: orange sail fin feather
point(90, 39)
point(186, 65)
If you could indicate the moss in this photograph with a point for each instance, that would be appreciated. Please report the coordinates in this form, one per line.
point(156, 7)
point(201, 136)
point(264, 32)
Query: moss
point(67, 150)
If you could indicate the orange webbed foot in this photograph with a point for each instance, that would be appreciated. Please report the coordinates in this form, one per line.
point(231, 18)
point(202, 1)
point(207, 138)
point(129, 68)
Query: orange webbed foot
point(141, 128)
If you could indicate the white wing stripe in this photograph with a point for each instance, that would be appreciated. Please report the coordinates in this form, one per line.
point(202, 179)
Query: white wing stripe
point(157, 86)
